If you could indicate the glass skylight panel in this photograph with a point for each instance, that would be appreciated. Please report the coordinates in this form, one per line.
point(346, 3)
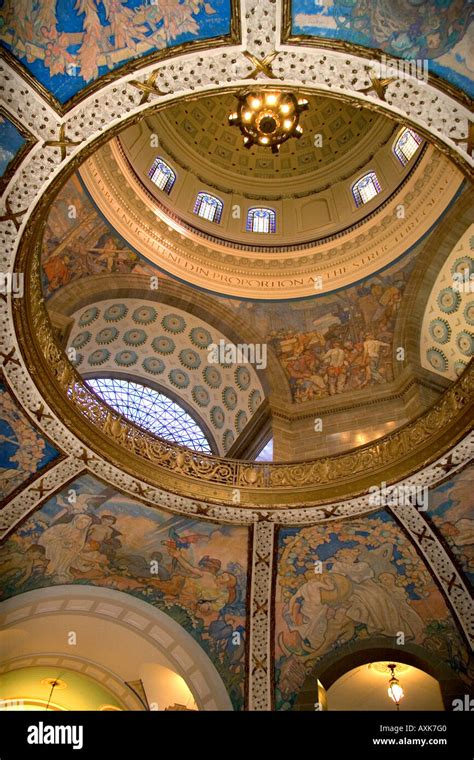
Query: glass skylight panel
point(151, 410)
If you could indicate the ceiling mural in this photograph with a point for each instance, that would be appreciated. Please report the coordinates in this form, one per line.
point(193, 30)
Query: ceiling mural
point(67, 44)
point(349, 581)
point(447, 334)
point(433, 30)
point(327, 345)
point(148, 340)
point(77, 243)
point(23, 450)
point(451, 512)
point(336, 343)
point(194, 571)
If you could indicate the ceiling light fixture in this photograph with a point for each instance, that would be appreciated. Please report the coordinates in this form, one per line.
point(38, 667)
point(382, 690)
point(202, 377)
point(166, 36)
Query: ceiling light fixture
point(260, 117)
point(394, 690)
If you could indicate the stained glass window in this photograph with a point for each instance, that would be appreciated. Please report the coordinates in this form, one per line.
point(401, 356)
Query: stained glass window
point(261, 220)
point(208, 207)
point(406, 146)
point(162, 175)
point(366, 188)
point(151, 410)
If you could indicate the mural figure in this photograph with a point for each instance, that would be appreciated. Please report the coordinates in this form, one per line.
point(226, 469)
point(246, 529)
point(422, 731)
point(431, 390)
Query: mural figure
point(348, 345)
point(353, 580)
point(195, 571)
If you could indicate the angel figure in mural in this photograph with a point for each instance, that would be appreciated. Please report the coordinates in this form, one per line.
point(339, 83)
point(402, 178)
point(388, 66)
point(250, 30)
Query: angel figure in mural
point(63, 544)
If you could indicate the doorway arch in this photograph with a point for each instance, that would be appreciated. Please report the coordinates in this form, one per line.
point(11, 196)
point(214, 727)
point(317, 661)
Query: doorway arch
point(141, 627)
point(331, 667)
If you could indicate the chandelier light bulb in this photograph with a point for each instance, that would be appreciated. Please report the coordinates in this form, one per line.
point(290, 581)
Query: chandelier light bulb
point(268, 118)
point(394, 691)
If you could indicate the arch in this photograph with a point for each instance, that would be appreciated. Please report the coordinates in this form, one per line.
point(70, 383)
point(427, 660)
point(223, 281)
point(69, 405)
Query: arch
point(162, 175)
point(366, 188)
point(149, 625)
point(349, 656)
point(208, 207)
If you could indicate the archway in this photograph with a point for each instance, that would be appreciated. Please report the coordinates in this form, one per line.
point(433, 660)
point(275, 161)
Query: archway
point(348, 657)
point(144, 638)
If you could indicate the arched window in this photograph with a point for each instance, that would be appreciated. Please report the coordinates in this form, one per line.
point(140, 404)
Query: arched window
point(208, 207)
point(406, 145)
point(162, 175)
point(365, 188)
point(151, 410)
point(261, 220)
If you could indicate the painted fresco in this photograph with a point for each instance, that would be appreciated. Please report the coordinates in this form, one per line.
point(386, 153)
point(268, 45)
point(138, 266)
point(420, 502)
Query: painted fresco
point(327, 345)
point(451, 510)
point(68, 43)
point(347, 581)
point(78, 244)
point(11, 142)
point(23, 450)
point(195, 571)
point(336, 343)
point(436, 30)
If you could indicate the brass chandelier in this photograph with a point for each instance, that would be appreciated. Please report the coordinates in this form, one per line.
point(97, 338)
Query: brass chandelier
point(268, 117)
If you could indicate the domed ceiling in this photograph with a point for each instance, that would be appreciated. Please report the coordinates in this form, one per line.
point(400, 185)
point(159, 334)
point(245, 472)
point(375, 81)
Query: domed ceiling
point(322, 241)
point(197, 133)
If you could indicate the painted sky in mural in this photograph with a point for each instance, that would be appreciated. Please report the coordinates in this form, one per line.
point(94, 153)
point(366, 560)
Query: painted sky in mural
point(452, 513)
point(68, 43)
point(347, 581)
point(11, 141)
point(195, 571)
point(23, 451)
point(432, 30)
